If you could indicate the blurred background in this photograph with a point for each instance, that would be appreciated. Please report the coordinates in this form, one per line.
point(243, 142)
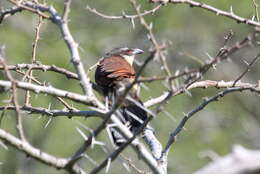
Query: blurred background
point(235, 119)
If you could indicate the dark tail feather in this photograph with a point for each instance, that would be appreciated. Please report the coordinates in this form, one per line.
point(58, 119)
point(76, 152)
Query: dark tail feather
point(133, 117)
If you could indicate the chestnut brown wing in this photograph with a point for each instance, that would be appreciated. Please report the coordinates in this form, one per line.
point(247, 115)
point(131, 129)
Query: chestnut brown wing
point(113, 69)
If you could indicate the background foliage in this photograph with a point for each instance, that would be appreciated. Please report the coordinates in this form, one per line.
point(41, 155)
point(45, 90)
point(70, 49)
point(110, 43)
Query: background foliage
point(189, 32)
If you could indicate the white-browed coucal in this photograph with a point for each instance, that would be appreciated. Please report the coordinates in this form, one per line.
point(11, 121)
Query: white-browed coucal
point(115, 69)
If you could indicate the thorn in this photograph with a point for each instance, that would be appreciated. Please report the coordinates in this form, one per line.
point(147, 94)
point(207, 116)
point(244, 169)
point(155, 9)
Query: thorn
point(177, 72)
point(108, 164)
point(49, 107)
point(104, 149)
point(214, 66)
point(48, 122)
point(145, 87)
point(209, 56)
point(246, 62)
point(90, 159)
point(231, 10)
point(205, 99)
point(168, 114)
point(253, 18)
point(187, 92)
point(123, 13)
point(82, 134)
point(148, 36)
point(133, 22)
point(99, 143)
point(3, 145)
point(138, 7)
point(151, 26)
point(84, 126)
point(126, 166)
point(2, 52)
point(92, 142)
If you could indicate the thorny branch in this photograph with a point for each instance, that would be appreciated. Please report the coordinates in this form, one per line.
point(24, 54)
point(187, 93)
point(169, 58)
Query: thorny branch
point(223, 54)
point(256, 10)
point(199, 108)
point(200, 84)
point(247, 69)
point(30, 71)
point(209, 8)
point(8, 12)
point(14, 99)
point(54, 112)
point(38, 154)
point(44, 68)
point(124, 16)
point(159, 48)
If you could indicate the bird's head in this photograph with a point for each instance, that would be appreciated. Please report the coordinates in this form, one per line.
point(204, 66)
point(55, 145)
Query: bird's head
point(127, 53)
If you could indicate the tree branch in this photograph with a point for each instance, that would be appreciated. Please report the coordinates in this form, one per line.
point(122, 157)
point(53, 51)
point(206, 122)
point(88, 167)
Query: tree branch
point(51, 91)
point(37, 154)
point(209, 8)
point(239, 161)
point(221, 94)
point(55, 112)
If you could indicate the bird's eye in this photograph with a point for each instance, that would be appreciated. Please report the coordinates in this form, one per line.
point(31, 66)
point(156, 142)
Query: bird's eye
point(129, 52)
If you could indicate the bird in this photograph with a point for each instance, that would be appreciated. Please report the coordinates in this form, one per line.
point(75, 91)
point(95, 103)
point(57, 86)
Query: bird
point(116, 67)
point(114, 71)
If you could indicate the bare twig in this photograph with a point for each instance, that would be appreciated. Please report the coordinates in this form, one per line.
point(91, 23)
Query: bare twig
point(158, 47)
point(247, 69)
point(13, 85)
point(201, 107)
point(203, 84)
point(37, 154)
point(209, 8)
point(51, 91)
point(173, 77)
point(30, 72)
point(33, 152)
point(44, 68)
point(24, 6)
point(222, 55)
point(55, 112)
point(130, 163)
point(124, 16)
point(222, 84)
point(256, 10)
point(66, 10)
point(9, 12)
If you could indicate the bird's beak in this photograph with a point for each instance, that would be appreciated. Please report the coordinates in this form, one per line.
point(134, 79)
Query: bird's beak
point(137, 51)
